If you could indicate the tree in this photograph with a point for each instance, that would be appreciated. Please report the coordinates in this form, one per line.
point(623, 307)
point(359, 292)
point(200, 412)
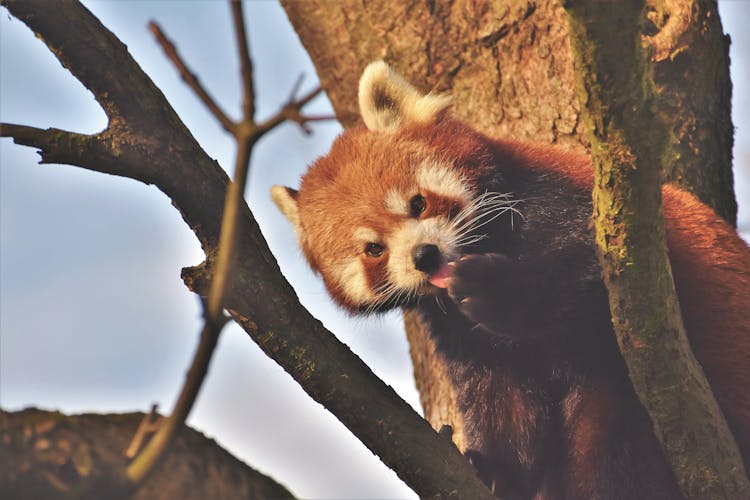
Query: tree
point(489, 36)
point(523, 48)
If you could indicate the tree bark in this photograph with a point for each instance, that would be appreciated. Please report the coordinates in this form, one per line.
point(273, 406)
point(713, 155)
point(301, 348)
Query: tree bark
point(690, 57)
point(509, 67)
point(510, 70)
point(51, 455)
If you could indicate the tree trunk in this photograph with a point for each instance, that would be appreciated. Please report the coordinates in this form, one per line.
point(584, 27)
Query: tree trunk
point(509, 68)
point(629, 141)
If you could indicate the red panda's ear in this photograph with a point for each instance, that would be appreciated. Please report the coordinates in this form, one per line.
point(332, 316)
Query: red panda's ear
point(286, 199)
point(388, 102)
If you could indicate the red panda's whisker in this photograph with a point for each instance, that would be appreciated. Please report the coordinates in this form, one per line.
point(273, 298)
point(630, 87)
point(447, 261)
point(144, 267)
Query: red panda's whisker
point(481, 207)
point(470, 240)
point(390, 293)
point(482, 218)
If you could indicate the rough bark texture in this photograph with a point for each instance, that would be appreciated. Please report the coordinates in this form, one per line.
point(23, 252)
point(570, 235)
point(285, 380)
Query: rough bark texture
point(50, 455)
point(146, 141)
point(628, 140)
point(489, 55)
point(690, 56)
point(509, 67)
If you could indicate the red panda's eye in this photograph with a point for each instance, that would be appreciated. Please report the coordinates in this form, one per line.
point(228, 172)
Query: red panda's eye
point(417, 205)
point(374, 249)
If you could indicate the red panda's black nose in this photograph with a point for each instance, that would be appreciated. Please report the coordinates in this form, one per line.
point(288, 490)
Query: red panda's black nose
point(426, 258)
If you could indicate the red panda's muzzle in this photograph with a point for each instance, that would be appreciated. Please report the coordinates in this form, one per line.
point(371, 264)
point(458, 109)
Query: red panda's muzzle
point(428, 259)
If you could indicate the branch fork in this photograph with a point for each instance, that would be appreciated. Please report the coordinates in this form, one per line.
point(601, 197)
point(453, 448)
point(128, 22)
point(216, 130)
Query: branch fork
point(148, 142)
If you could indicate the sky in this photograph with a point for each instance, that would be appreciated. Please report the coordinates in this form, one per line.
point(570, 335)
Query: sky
point(93, 314)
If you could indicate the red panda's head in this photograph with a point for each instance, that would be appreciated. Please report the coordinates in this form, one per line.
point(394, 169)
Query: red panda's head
point(382, 215)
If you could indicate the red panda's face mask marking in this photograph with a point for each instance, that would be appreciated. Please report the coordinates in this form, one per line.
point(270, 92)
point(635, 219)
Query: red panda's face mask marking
point(380, 251)
point(382, 215)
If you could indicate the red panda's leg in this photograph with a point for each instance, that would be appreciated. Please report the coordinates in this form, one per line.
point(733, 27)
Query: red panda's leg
point(612, 450)
point(509, 436)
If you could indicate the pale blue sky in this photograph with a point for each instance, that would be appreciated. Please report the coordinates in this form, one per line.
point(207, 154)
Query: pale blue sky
point(93, 315)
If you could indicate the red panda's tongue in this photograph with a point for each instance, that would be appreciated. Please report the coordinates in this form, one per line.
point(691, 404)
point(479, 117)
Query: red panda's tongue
point(440, 277)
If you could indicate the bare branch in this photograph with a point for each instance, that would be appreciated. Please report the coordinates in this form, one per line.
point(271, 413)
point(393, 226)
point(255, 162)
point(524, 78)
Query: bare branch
point(318, 118)
point(292, 111)
point(246, 133)
point(102, 152)
point(55, 145)
point(189, 77)
point(301, 103)
point(295, 88)
point(213, 307)
point(146, 460)
point(246, 63)
point(148, 425)
point(152, 144)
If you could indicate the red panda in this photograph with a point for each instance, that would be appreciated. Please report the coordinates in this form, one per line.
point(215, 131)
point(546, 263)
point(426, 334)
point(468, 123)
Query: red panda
point(490, 242)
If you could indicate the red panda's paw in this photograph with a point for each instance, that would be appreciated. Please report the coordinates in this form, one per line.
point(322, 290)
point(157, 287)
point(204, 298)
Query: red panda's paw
point(485, 474)
point(475, 286)
point(503, 478)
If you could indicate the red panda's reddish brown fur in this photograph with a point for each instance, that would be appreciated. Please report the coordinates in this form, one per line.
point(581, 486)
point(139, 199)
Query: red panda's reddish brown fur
point(389, 218)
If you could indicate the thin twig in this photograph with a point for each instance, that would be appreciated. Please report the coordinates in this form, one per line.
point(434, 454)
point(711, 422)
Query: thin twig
point(214, 322)
point(295, 88)
point(149, 424)
point(301, 103)
point(246, 63)
point(189, 77)
point(285, 331)
point(292, 111)
point(144, 463)
point(246, 133)
point(227, 239)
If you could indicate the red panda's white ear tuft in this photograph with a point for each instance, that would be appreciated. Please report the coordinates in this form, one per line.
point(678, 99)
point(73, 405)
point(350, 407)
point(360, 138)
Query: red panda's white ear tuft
point(286, 199)
point(388, 102)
